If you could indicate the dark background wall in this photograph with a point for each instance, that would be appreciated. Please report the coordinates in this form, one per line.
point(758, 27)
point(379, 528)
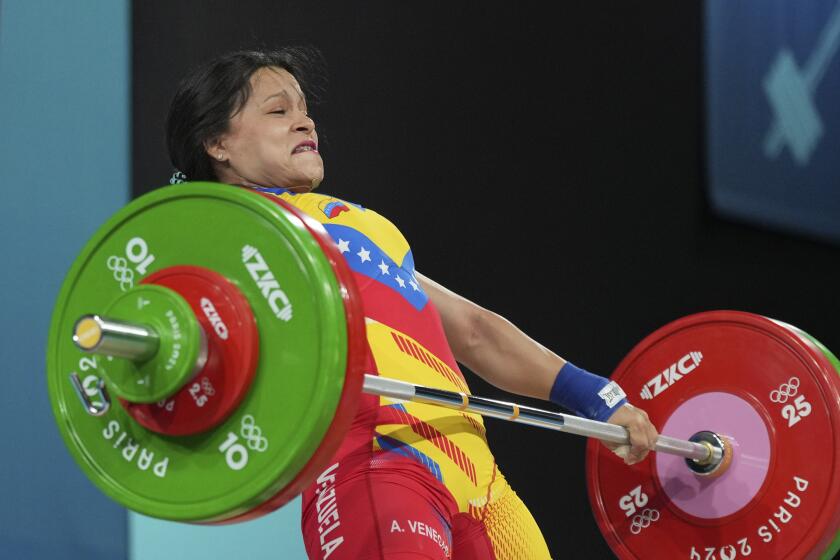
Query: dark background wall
point(544, 162)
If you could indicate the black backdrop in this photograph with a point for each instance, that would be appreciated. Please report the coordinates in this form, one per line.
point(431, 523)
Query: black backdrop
point(544, 162)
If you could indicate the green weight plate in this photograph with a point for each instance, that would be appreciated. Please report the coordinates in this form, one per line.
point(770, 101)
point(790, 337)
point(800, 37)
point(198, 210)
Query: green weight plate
point(833, 547)
point(269, 255)
point(180, 345)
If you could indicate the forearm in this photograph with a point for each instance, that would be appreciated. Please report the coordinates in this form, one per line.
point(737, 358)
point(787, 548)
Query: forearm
point(500, 353)
point(506, 357)
point(495, 349)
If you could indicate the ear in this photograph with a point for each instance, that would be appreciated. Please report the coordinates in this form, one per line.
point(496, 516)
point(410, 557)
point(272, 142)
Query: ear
point(215, 148)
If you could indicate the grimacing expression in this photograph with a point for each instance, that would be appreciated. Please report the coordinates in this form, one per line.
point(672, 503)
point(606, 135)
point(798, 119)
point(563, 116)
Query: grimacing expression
point(272, 141)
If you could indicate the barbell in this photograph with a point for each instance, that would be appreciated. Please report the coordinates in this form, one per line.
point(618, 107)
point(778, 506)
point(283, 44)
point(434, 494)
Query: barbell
point(228, 328)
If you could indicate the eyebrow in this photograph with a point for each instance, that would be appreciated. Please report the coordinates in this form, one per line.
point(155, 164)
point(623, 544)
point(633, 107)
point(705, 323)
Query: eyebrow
point(278, 94)
point(285, 93)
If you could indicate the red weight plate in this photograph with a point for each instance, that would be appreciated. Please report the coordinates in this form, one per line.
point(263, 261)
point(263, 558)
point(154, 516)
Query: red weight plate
point(773, 393)
point(232, 354)
point(356, 359)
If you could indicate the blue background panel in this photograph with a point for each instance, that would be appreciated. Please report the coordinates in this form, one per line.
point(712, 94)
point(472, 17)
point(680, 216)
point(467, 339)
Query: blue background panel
point(273, 536)
point(63, 169)
point(773, 131)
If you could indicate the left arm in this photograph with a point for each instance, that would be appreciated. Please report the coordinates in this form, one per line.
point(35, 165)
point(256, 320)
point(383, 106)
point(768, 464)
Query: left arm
point(495, 349)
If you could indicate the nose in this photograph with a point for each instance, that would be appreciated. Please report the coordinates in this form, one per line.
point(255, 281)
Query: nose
point(304, 123)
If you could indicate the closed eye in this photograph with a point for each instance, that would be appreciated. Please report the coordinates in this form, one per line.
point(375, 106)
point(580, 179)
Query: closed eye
point(279, 112)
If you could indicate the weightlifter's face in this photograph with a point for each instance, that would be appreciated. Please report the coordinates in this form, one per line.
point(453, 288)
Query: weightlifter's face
point(272, 141)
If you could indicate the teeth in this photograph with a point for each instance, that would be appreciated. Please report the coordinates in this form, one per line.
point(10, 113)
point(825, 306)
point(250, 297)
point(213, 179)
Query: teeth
point(304, 149)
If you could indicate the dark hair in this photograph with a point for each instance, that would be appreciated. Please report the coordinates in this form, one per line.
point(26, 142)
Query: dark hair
point(211, 94)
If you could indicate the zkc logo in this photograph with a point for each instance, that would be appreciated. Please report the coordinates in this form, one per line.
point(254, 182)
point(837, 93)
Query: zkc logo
point(671, 375)
point(267, 283)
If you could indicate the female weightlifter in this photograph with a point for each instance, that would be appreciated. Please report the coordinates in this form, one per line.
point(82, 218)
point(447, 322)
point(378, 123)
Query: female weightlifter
point(410, 481)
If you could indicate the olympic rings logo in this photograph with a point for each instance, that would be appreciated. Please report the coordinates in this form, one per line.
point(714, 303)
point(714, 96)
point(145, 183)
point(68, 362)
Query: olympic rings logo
point(643, 520)
point(207, 387)
point(122, 274)
point(252, 434)
point(785, 391)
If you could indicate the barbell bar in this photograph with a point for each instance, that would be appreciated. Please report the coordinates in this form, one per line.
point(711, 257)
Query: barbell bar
point(95, 334)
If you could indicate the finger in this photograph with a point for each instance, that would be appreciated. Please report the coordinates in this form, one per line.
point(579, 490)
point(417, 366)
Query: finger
point(649, 431)
point(623, 451)
point(653, 435)
point(644, 426)
point(639, 444)
point(620, 449)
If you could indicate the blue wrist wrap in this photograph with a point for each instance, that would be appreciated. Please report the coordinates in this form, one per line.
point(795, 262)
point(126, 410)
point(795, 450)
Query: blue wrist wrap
point(586, 394)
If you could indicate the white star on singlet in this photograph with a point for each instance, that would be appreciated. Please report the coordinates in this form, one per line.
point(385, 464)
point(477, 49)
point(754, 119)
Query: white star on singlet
point(343, 246)
point(383, 267)
point(400, 281)
point(364, 254)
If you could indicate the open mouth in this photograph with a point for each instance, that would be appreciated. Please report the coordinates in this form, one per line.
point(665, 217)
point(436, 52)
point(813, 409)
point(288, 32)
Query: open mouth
point(307, 146)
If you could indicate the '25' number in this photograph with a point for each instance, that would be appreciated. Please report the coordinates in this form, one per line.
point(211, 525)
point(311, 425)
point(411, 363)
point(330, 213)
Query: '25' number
point(797, 413)
point(635, 499)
